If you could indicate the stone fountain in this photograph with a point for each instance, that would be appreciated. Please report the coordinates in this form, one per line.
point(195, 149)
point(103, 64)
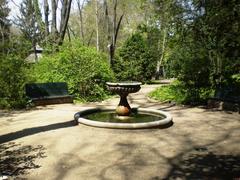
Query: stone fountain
point(123, 116)
point(123, 89)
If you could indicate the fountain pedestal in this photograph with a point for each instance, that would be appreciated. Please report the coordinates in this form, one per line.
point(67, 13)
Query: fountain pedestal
point(123, 108)
point(123, 89)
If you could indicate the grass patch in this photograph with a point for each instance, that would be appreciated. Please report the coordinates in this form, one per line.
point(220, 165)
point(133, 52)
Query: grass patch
point(180, 94)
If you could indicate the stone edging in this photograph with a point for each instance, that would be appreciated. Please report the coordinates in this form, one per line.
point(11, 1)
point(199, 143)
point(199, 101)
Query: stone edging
point(166, 120)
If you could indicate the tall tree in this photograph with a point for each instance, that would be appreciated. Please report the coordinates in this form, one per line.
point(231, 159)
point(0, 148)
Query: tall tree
point(217, 27)
point(65, 13)
point(97, 21)
point(30, 22)
point(115, 29)
point(80, 10)
point(54, 18)
point(107, 21)
point(35, 28)
point(130, 9)
point(46, 14)
point(4, 22)
point(166, 12)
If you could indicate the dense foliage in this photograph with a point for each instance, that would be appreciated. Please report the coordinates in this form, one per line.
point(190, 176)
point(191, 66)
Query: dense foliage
point(13, 69)
point(13, 73)
point(195, 41)
point(204, 51)
point(135, 62)
point(84, 69)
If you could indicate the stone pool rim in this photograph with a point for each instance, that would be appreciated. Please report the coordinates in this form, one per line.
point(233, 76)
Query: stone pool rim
point(166, 120)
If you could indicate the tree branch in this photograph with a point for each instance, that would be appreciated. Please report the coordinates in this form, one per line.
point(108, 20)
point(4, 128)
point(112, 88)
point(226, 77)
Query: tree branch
point(117, 29)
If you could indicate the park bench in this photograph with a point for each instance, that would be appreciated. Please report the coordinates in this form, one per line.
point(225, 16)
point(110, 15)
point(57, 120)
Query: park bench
point(225, 98)
point(48, 93)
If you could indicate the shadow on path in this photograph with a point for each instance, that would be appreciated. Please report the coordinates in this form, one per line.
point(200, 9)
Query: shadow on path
point(197, 163)
point(30, 131)
point(205, 165)
point(16, 159)
point(15, 112)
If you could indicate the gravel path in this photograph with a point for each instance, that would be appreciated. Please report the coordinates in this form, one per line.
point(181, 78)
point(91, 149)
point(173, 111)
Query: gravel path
point(44, 143)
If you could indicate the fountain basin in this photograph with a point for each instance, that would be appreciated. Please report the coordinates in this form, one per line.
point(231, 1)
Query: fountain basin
point(145, 118)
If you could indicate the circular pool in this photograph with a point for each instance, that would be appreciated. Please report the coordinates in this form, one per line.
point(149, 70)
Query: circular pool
point(139, 118)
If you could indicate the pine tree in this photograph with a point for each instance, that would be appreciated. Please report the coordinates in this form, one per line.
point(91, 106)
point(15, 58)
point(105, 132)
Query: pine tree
point(29, 20)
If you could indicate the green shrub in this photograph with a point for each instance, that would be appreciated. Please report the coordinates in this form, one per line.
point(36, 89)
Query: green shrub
point(181, 94)
point(83, 68)
point(13, 74)
point(134, 60)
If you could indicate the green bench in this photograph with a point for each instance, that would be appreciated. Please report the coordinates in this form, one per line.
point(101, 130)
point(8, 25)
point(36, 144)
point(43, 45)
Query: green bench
point(48, 93)
point(226, 98)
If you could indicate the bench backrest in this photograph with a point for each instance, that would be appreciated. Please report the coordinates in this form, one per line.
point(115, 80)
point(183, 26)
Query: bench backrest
point(37, 90)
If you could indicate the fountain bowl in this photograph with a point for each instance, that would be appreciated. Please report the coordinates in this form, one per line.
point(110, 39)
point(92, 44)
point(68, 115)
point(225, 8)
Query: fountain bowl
point(161, 118)
point(124, 87)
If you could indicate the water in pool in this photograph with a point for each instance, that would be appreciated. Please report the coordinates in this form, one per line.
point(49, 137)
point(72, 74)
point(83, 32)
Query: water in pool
point(111, 116)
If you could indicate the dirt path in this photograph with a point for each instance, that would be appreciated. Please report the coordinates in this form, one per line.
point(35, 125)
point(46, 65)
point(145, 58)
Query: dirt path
point(45, 144)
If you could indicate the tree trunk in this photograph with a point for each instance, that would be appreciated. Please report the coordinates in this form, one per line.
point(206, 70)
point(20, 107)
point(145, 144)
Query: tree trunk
point(216, 61)
point(63, 13)
point(107, 25)
point(34, 49)
point(114, 22)
point(2, 37)
point(72, 32)
point(69, 35)
point(117, 30)
point(107, 21)
point(54, 19)
point(80, 7)
point(64, 20)
point(159, 63)
point(97, 28)
point(116, 26)
point(90, 38)
point(46, 13)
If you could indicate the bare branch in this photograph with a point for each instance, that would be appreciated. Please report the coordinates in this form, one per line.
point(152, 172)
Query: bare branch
point(89, 41)
point(117, 29)
point(80, 7)
point(65, 22)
